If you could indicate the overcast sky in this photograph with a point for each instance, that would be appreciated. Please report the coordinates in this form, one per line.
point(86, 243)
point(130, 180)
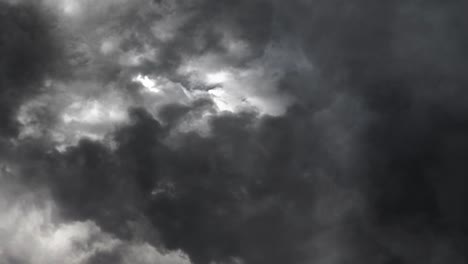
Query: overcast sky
point(233, 132)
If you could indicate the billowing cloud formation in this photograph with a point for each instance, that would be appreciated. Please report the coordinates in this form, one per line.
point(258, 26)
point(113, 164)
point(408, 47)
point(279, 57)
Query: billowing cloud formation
point(203, 131)
point(32, 231)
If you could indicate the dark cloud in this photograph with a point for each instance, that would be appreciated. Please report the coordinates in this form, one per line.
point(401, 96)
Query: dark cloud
point(203, 28)
point(404, 60)
point(247, 191)
point(368, 166)
point(28, 50)
point(242, 192)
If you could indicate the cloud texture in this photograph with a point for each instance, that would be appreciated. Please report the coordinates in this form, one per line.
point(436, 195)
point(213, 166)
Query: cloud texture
point(233, 132)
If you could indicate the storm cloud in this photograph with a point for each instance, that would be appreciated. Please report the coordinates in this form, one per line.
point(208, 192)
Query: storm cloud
point(251, 132)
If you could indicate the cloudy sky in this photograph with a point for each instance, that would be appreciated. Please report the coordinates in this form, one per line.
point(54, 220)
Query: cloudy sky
point(233, 132)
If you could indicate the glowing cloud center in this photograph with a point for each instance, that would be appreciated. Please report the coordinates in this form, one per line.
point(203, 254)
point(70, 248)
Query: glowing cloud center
point(147, 82)
point(217, 77)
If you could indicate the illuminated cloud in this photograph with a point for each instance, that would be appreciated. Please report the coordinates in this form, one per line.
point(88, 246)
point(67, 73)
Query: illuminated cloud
point(32, 231)
point(64, 118)
point(237, 89)
point(148, 83)
point(217, 78)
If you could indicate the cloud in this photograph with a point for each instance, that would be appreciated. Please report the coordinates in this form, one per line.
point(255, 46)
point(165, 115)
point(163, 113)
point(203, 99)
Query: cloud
point(236, 132)
point(121, 44)
point(33, 232)
point(29, 51)
point(236, 193)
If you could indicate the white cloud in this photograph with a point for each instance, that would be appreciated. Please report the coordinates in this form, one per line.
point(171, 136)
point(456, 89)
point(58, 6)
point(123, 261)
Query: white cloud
point(218, 77)
point(32, 232)
point(143, 253)
point(94, 112)
point(73, 111)
point(147, 82)
point(238, 89)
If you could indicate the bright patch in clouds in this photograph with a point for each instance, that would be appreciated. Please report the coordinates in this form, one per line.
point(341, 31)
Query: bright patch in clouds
point(33, 231)
point(217, 77)
point(68, 8)
point(71, 7)
point(72, 117)
point(147, 82)
point(223, 100)
point(238, 89)
point(94, 112)
point(92, 119)
point(175, 93)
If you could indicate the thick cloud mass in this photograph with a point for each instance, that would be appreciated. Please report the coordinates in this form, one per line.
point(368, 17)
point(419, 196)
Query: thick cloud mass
point(28, 53)
point(254, 132)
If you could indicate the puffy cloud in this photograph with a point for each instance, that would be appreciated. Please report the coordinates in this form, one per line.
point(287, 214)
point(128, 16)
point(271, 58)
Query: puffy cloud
point(33, 232)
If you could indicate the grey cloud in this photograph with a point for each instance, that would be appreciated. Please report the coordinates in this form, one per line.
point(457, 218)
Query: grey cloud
point(365, 166)
point(29, 50)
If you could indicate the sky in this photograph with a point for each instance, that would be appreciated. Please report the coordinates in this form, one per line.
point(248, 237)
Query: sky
point(233, 132)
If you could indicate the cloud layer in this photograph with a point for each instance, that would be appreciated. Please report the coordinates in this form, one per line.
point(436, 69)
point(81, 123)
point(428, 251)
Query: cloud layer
point(202, 131)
